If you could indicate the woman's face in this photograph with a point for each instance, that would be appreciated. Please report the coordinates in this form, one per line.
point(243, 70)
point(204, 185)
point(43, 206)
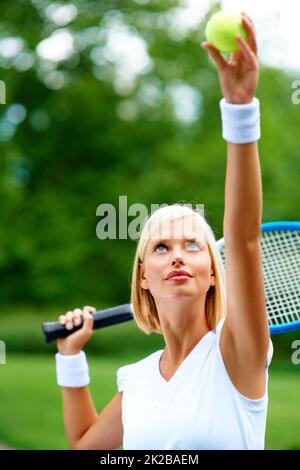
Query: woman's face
point(178, 245)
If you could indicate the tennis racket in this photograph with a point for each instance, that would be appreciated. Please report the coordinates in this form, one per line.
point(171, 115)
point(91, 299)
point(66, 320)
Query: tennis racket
point(280, 244)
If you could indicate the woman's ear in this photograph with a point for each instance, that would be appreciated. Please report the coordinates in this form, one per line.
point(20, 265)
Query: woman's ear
point(143, 280)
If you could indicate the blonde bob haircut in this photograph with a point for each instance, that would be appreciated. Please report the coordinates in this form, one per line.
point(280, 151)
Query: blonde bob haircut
point(143, 304)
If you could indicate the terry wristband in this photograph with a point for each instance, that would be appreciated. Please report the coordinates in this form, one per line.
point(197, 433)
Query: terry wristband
point(240, 122)
point(72, 370)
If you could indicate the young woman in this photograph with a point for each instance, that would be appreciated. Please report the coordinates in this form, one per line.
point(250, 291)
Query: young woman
point(208, 388)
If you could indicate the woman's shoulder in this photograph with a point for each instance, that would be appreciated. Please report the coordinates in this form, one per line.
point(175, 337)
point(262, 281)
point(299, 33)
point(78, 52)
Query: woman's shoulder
point(130, 371)
point(219, 327)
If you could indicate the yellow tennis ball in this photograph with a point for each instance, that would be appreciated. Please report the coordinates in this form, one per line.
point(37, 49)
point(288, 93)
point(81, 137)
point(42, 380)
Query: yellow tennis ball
point(222, 29)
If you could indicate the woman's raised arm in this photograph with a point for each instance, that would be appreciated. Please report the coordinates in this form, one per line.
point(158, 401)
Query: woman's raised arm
point(245, 336)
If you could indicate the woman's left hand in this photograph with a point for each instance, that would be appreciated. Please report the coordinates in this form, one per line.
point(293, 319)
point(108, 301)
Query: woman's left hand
point(238, 77)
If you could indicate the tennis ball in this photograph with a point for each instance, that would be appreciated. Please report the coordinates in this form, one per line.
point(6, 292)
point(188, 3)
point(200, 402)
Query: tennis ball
point(222, 29)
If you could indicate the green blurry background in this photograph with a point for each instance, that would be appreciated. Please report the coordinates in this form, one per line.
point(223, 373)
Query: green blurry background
point(82, 125)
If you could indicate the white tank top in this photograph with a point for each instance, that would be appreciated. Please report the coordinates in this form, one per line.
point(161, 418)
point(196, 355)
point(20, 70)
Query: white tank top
point(198, 408)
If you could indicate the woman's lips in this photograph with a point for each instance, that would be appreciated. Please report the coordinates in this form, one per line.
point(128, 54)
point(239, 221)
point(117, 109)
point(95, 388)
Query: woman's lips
point(179, 278)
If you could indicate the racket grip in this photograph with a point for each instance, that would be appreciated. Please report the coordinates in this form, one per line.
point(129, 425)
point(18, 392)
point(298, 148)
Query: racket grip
point(109, 316)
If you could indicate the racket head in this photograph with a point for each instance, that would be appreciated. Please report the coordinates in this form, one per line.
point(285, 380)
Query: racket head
point(280, 245)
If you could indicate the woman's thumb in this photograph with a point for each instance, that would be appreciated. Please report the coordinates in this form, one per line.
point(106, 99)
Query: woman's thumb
point(215, 55)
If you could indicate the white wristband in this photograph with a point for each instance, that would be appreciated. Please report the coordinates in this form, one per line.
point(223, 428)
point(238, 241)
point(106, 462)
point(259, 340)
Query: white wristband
point(72, 370)
point(240, 122)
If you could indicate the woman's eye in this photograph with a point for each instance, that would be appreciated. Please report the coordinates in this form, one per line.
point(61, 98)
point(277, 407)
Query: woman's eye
point(159, 244)
point(197, 245)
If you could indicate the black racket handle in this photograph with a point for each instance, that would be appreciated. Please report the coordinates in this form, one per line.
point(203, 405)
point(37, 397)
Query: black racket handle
point(108, 316)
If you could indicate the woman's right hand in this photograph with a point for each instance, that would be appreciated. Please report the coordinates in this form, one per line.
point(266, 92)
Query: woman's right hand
point(74, 343)
point(239, 77)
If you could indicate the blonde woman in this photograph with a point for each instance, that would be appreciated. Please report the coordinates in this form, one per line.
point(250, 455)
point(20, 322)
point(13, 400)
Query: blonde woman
point(207, 389)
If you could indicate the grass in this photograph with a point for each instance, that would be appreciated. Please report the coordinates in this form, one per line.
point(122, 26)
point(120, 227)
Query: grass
point(284, 410)
point(31, 409)
point(31, 412)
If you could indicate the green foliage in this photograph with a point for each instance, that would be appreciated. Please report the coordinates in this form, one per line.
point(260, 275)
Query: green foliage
point(21, 330)
point(89, 138)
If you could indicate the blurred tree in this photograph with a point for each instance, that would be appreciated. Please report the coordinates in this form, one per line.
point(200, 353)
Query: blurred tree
point(107, 99)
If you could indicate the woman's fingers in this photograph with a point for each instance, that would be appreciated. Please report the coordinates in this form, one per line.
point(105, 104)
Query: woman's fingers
point(71, 318)
point(91, 309)
point(249, 27)
point(247, 52)
point(77, 316)
point(250, 19)
point(215, 55)
point(235, 57)
point(74, 317)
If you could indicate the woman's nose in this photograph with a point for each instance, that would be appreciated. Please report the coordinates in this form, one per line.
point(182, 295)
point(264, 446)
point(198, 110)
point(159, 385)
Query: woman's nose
point(177, 260)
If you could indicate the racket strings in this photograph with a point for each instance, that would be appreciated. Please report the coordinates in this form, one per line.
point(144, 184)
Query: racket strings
point(281, 269)
point(281, 272)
